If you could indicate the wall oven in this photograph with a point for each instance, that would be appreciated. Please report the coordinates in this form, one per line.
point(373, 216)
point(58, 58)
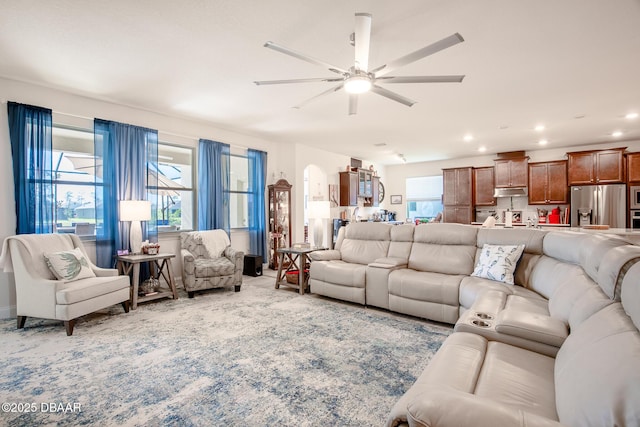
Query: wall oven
point(634, 197)
point(635, 219)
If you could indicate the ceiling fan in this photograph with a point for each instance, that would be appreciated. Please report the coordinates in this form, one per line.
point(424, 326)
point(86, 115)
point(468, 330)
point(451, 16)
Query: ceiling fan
point(359, 78)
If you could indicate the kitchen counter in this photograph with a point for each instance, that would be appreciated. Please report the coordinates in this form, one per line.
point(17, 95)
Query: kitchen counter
point(630, 234)
point(523, 224)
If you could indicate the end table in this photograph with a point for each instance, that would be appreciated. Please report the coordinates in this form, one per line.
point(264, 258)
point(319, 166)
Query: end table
point(160, 266)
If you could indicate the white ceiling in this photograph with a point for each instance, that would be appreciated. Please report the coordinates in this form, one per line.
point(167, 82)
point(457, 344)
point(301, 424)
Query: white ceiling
point(526, 62)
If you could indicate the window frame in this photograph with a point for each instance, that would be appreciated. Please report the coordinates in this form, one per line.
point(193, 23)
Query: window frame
point(56, 182)
point(192, 189)
point(434, 198)
point(246, 193)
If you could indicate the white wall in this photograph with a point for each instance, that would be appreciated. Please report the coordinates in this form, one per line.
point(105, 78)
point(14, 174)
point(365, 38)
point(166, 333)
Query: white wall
point(331, 164)
point(79, 111)
point(396, 175)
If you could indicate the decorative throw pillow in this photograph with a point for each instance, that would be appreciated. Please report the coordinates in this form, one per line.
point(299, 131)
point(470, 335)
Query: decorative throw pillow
point(69, 265)
point(498, 262)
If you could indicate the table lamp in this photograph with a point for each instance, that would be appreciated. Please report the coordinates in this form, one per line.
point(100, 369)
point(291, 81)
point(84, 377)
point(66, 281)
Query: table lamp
point(135, 211)
point(319, 211)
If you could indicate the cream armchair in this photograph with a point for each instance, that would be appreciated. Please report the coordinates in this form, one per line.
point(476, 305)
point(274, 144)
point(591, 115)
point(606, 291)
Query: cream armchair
point(39, 293)
point(209, 261)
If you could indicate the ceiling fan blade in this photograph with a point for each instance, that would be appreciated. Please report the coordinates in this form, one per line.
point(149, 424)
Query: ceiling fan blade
point(418, 54)
point(326, 92)
point(420, 79)
point(312, 80)
point(362, 40)
point(353, 104)
point(392, 95)
point(304, 57)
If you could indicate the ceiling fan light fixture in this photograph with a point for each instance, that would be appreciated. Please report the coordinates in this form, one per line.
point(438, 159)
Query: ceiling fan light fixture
point(357, 84)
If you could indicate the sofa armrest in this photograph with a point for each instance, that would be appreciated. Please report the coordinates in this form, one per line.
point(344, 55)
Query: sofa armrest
point(104, 272)
point(187, 256)
point(233, 254)
point(329, 255)
point(453, 408)
point(389, 263)
point(237, 258)
point(531, 326)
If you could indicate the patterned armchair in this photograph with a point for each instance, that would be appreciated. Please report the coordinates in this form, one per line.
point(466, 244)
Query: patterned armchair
point(208, 261)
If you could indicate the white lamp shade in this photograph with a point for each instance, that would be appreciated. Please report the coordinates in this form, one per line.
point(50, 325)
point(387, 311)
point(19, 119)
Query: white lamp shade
point(319, 209)
point(135, 210)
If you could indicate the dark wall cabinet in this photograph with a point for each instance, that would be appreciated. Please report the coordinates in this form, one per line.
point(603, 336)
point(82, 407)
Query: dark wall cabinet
point(511, 172)
point(548, 183)
point(348, 188)
point(359, 184)
point(457, 195)
point(483, 185)
point(633, 166)
point(596, 167)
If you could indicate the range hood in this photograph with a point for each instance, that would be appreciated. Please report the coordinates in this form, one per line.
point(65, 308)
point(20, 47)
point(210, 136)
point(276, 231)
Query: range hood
point(510, 192)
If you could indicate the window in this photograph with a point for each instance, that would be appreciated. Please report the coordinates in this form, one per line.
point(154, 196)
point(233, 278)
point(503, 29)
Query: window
point(174, 188)
point(74, 181)
point(424, 197)
point(238, 191)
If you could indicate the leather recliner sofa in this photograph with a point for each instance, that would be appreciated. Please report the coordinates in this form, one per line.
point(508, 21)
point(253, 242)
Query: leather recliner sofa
point(507, 337)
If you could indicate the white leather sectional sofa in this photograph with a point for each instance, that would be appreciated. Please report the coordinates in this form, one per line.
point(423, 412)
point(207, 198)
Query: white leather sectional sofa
point(560, 346)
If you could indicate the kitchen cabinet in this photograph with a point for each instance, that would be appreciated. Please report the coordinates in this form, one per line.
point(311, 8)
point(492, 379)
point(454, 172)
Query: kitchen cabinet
point(511, 172)
point(348, 188)
point(596, 167)
point(548, 183)
point(365, 188)
point(483, 185)
point(279, 219)
point(359, 184)
point(458, 214)
point(633, 166)
point(373, 200)
point(457, 196)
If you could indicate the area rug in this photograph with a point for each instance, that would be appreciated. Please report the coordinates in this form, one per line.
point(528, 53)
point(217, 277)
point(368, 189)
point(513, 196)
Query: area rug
point(259, 357)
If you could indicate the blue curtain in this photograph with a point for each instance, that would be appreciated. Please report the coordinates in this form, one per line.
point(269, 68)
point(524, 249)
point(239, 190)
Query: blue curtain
point(256, 204)
point(31, 145)
point(126, 153)
point(213, 185)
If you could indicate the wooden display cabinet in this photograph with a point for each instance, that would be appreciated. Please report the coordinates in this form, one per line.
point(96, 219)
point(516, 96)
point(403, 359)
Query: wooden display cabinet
point(279, 219)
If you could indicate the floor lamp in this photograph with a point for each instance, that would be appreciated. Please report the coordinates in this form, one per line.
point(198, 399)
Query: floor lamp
point(319, 211)
point(135, 211)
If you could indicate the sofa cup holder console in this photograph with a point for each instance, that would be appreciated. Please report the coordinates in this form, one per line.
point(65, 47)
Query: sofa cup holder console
point(480, 323)
point(484, 316)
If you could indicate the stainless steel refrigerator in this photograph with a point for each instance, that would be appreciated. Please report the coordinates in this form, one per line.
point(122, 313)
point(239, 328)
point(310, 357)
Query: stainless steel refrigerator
point(599, 205)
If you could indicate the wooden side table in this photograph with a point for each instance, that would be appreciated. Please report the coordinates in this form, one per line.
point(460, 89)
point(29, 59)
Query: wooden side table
point(160, 266)
point(297, 260)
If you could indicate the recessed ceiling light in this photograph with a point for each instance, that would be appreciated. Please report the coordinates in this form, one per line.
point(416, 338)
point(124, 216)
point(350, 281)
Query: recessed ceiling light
point(503, 127)
point(543, 142)
point(579, 116)
point(539, 128)
point(616, 134)
point(482, 149)
point(468, 137)
point(631, 116)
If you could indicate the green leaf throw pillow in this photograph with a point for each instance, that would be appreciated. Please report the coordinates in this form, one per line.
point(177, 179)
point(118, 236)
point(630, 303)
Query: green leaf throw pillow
point(498, 262)
point(69, 265)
